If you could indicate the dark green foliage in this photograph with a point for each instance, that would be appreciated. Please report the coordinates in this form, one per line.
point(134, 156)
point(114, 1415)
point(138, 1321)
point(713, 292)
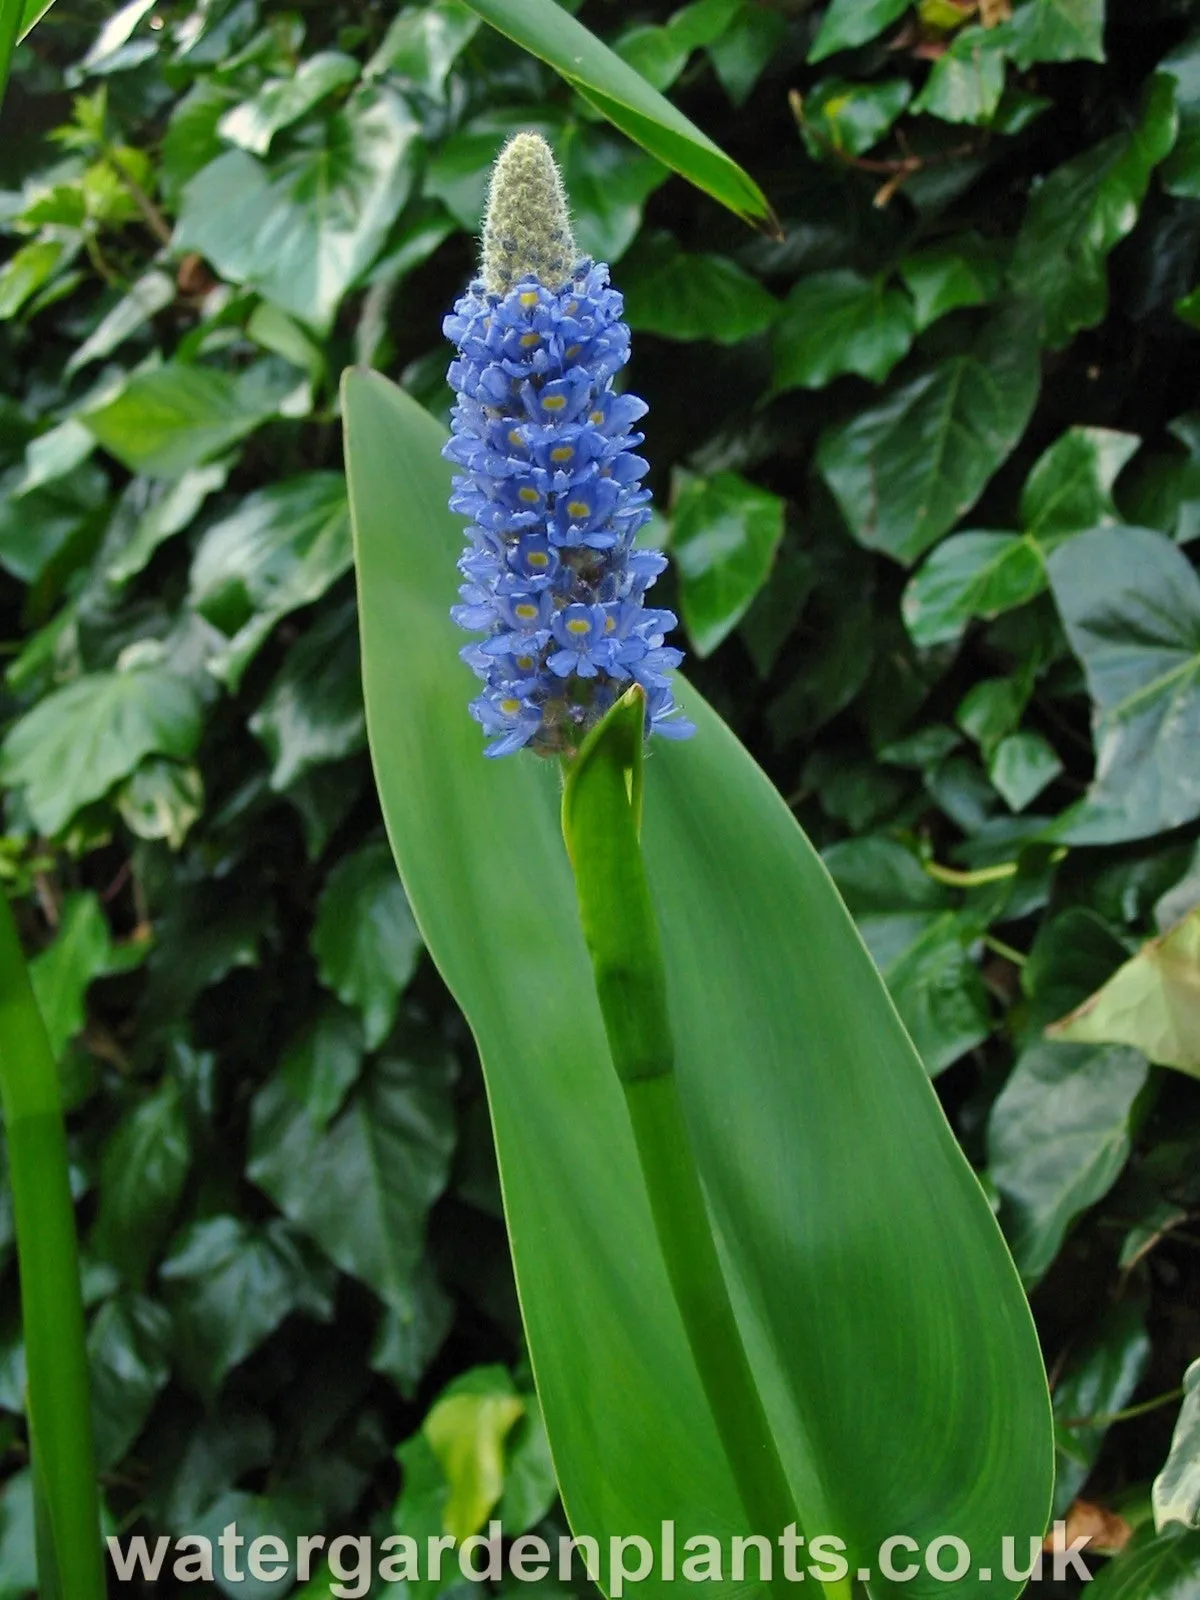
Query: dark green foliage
point(930, 472)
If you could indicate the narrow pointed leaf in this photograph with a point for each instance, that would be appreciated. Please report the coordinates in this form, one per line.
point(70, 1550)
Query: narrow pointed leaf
point(627, 100)
point(877, 1302)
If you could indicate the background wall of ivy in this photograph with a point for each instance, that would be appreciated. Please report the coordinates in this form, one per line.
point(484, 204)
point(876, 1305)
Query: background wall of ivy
point(929, 470)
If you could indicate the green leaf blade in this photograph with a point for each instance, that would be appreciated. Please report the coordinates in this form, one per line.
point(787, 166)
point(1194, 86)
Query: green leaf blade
point(627, 100)
point(722, 851)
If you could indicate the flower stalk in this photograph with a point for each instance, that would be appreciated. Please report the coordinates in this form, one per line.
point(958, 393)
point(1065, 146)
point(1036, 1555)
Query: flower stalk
point(69, 1550)
point(601, 819)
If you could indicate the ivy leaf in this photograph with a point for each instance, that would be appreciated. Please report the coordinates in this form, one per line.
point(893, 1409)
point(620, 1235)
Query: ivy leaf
point(724, 535)
point(313, 713)
point(422, 44)
point(1058, 1136)
point(1181, 169)
point(905, 469)
point(967, 79)
point(229, 1285)
point(79, 741)
point(983, 574)
point(365, 940)
point(129, 1356)
point(1058, 30)
point(161, 801)
point(1152, 1002)
point(1081, 211)
point(1100, 1379)
point(362, 1184)
point(283, 101)
point(680, 295)
point(1176, 1491)
point(849, 118)
point(1021, 766)
point(142, 1172)
point(970, 575)
point(61, 974)
point(943, 277)
point(835, 322)
point(847, 23)
point(167, 421)
point(1070, 486)
point(281, 549)
point(1130, 602)
point(152, 292)
point(1162, 1568)
point(303, 229)
point(745, 48)
point(918, 942)
point(466, 1430)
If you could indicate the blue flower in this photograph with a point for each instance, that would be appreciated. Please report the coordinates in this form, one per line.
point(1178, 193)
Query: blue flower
point(551, 486)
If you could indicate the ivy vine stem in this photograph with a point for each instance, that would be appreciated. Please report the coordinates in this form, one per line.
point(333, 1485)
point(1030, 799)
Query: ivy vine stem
point(66, 1501)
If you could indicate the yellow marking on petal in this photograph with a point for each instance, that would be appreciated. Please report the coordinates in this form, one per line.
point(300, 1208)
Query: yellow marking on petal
point(572, 351)
point(609, 624)
point(562, 452)
point(529, 298)
point(528, 340)
point(510, 708)
point(578, 625)
point(526, 612)
point(530, 496)
point(579, 508)
point(595, 416)
point(554, 402)
point(525, 663)
point(572, 307)
point(514, 437)
point(538, 558)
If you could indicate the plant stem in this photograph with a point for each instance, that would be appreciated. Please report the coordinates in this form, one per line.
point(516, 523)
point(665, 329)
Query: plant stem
point(601, 824)
point(70, 1556)
point(11, 12)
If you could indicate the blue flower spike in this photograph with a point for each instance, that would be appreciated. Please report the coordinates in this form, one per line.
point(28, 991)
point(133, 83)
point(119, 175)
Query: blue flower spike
point(549, 480)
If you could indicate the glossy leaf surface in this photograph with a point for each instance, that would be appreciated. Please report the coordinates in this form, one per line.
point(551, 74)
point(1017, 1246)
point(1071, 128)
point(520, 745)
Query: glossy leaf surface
point(832, 1157)
point(627, 100)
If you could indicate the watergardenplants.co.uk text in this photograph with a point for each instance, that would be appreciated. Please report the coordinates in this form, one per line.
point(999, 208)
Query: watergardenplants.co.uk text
point(355, 1561)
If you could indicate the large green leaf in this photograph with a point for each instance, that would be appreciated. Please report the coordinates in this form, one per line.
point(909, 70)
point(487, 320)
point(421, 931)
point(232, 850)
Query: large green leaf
point(82, 739)
point(362, 1183)
point(302, 229)
point(1130, 602)
point(166, 422)
point(627, 100)
point(142, 1173)
point(313, 713)
point(835, 322)
point(230, 1283)
point(1058, 30)
point(904, 470)
point(365, 940)
point(847, 23)
point(692, 296)
point(1151, 1003)
point(982, 574)
point(282, 548)
point(1162, 1568)
point(834, 1179)
point(1100, 1378)
point(919, 944)
point(1181, 169)
point(1081, 211)
point(1177, 1487)
point(724, 534)
point(1058, 1136)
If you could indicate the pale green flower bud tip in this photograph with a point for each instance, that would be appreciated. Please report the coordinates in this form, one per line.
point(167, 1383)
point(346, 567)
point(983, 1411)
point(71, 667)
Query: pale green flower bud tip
point(527, 227)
